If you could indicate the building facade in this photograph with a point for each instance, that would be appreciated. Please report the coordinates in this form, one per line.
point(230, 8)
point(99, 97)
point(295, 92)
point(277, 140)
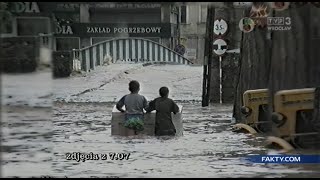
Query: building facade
point(192, 26)
point(77, 25)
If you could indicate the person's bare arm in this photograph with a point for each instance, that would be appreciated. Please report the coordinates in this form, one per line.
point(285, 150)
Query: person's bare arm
point(151, 106)
point(120, 104)
point(175, 107)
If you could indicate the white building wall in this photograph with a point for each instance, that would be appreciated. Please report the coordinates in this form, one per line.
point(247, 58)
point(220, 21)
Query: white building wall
point(193, 32)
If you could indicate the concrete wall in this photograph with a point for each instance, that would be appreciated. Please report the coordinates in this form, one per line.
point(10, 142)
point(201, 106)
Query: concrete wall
point(165, 13)
point(84, 13)
point(45, 55)
point(193, 31)
point(84, 18)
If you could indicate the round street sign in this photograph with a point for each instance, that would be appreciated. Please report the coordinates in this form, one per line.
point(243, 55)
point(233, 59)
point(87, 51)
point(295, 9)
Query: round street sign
point(219, 47)
point(180, 49)
point(220, 27)
point(242, 4)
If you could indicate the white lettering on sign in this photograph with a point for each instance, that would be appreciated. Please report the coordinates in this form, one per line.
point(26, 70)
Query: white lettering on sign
point(131, 30)
point(98, 30)
point(26, 7)
point(220, 27)
point(64, 29)
point(68, 6)
point(126, 5)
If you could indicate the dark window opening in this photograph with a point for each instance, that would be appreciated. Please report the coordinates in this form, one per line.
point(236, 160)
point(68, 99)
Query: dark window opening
point(67, 44)
point(183, 14)
point(32, 26)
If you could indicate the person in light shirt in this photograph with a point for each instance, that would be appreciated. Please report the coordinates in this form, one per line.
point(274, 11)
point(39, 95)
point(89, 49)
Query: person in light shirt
point(134, 104)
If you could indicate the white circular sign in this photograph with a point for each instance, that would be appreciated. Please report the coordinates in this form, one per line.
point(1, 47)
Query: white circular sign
point(219, 47)
point(246, 25)
point(242, 4)
point(220, 27)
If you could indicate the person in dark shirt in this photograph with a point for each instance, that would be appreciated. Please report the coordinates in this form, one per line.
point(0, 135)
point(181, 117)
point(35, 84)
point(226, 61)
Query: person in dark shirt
point(164, 106)
point(134, 104)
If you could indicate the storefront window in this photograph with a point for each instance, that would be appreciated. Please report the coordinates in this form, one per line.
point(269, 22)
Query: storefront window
point(67, 43)
point(32, 26)
point(183, 14)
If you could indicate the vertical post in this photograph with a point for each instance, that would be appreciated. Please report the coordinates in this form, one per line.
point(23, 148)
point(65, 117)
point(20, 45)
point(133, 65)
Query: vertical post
point(220, 69)
point(204, 83)
point(208, 59)
point(210, 50)
point(74, 67)
point(178, 24)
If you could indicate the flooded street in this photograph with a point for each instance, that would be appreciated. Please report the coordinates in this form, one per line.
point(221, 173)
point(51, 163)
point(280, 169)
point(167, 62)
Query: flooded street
point(26, 142)
point(26, 124)
point(75, 76)
point(37, 132)
point(207, 149)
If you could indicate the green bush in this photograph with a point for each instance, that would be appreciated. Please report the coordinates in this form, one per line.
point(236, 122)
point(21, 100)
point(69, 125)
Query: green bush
point(18, 55)
point(135, 124)
point(62, 64)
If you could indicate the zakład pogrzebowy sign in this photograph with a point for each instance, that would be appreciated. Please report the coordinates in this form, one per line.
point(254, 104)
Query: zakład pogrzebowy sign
point(114, 30)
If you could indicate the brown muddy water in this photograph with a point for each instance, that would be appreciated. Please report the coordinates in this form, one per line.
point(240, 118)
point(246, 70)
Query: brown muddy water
point(35, 142)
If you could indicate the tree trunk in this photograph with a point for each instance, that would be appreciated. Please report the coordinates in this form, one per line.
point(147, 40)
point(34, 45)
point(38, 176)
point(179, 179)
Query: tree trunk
point(295, 57)
point(254, 65)
point(295, 53)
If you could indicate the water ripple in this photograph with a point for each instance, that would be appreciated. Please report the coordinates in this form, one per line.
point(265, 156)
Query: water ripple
point(34, 145)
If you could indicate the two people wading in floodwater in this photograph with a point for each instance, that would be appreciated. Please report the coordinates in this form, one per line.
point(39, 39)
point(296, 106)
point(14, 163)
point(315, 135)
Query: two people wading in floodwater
point(136, 103)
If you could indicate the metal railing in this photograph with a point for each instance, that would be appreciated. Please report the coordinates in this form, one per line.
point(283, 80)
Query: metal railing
point(126, 49)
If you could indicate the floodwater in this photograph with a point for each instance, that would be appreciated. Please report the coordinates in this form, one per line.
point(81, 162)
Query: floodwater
point(37, 135)
point(35, 146)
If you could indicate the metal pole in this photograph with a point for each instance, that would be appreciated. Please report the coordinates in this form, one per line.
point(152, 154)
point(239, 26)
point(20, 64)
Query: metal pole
point(220, 69)
point(204, 84)
point(209, 74)
point(178, 25)
point(207, 61)
point(210, 50)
